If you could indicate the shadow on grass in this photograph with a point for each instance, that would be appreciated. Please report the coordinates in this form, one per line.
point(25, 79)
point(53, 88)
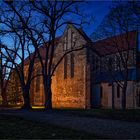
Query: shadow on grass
point(132, 115)
point(17, 128)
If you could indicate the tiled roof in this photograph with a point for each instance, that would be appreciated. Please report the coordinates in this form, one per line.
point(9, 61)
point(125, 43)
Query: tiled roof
point(117, 43)
point(102, 47)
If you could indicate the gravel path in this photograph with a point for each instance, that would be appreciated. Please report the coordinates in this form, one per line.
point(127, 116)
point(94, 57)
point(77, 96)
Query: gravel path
point(101, 127)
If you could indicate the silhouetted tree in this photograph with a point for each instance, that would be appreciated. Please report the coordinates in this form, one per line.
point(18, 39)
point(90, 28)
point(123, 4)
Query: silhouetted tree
point(120, 20)
point(19, 46)
point(2, 79)
point(5, 67)
point(40, 21)
point(55, 14)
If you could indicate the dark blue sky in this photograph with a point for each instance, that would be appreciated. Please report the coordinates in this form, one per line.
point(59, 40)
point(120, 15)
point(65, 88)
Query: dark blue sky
point(95, 8)
point(98, 9)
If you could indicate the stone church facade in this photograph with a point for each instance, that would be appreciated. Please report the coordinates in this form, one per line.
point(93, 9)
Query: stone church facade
point(80, 80)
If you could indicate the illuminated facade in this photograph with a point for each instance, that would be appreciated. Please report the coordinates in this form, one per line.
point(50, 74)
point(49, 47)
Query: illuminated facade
point(81, 79)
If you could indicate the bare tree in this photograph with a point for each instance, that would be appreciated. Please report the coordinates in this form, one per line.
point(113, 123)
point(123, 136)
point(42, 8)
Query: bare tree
point(52, 15)
point(20, 48)
point(117, 26)
point(3, 80)
point(41, 21)
point(55, 16)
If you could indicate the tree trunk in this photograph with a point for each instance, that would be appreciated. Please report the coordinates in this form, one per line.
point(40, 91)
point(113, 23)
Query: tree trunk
point(48, 94)
point(124, 96)
point(113, 105)
point(26, 98)
point(48, 101)
point(4, 97)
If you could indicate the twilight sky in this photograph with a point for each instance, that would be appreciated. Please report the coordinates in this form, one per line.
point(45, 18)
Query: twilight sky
point(98, 8)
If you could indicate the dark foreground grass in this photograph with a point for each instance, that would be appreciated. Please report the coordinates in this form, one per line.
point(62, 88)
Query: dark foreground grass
point(124, 115)
point(17, 128)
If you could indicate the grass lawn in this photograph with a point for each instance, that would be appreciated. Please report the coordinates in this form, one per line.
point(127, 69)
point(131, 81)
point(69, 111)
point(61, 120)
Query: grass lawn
point(125, 115)
point(17, 128)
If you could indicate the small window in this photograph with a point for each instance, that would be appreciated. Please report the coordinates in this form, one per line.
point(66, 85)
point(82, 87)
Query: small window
point(65, 67)
point(118, 91)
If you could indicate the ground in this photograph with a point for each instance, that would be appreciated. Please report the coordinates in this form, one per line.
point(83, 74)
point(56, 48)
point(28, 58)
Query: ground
point(17, 128)
point(75, 123)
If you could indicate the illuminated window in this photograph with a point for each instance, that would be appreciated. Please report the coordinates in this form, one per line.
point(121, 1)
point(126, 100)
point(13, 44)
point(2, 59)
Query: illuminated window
point(65, 67)
point(72, 65)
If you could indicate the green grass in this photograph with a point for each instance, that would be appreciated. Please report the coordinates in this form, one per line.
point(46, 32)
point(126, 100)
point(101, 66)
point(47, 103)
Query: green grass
point(17, 128)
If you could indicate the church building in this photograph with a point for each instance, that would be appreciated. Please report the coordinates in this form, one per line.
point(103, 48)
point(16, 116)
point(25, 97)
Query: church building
point(91, 77)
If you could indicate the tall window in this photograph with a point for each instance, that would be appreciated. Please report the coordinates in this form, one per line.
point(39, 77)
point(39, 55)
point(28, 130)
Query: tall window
point(65, 43)
point(72, 39)
point(65, 67)
point(32, 87)
point(118, 91)
point(72, 65)
point(69, 39)
point(38, 80)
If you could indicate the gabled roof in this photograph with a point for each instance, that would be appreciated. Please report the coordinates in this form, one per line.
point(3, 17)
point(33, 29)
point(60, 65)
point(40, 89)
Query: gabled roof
point(102, 47)
point(83, 34)
point(116, 43)
point(43, 50)
point(80, 31)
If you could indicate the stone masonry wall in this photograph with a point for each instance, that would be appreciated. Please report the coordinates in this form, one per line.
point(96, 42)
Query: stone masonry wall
point(70, 92)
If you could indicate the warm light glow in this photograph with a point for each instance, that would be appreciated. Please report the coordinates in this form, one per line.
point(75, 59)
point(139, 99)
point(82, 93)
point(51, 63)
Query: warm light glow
point(38, 107)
